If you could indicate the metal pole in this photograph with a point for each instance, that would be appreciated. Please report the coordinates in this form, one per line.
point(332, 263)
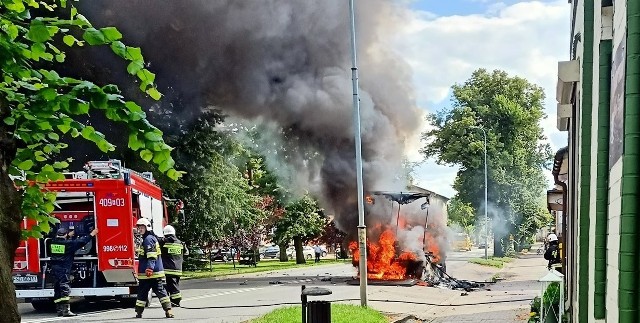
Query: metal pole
point(486, 204)
point(362, 229)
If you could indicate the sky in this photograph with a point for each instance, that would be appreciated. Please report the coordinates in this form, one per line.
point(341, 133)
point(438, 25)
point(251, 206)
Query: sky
point(444, 41)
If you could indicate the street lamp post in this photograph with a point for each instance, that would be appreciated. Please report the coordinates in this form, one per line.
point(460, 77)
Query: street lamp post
point(486, 204)
point(362, 229)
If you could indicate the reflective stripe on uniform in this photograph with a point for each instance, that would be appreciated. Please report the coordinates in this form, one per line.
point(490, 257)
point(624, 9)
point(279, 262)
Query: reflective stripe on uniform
point(173, 272)
point(152, 255)
point(175, 296)
point(141, 303)
point(164, 300)
point(158, 274)
point(61, 299)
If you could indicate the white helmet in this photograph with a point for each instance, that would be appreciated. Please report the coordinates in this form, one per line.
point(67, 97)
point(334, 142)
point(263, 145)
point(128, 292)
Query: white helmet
point(144, 222)
point(553, 237)
point(168, 230)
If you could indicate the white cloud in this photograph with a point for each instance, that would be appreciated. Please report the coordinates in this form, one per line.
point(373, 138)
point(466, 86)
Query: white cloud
point(525, 39)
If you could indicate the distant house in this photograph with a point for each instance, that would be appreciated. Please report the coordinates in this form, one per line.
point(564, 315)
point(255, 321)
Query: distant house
point(437, 202)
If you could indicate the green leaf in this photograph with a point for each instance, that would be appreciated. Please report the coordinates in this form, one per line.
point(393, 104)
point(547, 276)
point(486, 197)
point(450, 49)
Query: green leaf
point(12, 31)
point(146, 76)
point(38, 50)
point(134, 53)
point(93, 36)
point(26, 165)
point(69, 40)
point(99, 100)
point(48, 94)
point(134, 142)
point(53, 136)
point(146, 155)
point(38, 32)
point(14, 5)
point(61, 165)
point(64, 127)
point(87, 132)
point(111, 33)
point(134, 67)
point(174, 174)
point(119, 49)
point(133, 107)
point(153, 136)
point(154, 94)
point(10, 121)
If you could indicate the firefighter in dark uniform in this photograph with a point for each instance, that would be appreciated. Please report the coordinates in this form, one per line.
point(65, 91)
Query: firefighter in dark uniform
point(150, 270)
point(172, 257)
point(553, 253)
point(63, 250)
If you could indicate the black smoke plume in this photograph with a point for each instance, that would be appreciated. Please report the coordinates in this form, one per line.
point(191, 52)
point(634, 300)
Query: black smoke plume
point(282, 62)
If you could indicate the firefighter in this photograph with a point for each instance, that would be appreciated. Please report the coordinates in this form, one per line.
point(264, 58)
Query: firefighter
point(172, 257)
point(150, 270)
point(63, 250)
point(553, 252)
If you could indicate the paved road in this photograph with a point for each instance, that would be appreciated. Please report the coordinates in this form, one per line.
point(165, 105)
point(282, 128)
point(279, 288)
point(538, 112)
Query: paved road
point(241, 298)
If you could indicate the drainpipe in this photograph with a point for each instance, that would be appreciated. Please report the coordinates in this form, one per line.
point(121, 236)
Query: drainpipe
point(602, 183)
point(585, 162)
point(628, 263)
point(558, 160)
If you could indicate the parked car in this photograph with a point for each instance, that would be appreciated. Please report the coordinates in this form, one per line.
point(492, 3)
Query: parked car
point(223, 254)
point(271, 252)
point(307, 251)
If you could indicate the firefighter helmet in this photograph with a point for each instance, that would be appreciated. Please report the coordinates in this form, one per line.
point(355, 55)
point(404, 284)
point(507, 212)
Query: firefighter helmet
point(144, 222)
point(553, 237)
point(62, 232)
point(168, 230)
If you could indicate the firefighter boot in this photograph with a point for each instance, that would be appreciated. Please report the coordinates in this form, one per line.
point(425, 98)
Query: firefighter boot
point(66, 311)
point(59, 309)
point(166, 306)
point(139, 310)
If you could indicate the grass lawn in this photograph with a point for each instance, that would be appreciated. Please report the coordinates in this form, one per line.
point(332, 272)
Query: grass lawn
point(340, 313)
point(225, 269)
point(492, 261)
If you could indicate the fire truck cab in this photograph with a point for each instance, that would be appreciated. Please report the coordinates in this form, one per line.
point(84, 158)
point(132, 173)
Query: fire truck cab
point(110, 198)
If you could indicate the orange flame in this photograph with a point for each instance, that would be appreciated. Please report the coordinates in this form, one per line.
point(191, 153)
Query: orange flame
point(382, 262)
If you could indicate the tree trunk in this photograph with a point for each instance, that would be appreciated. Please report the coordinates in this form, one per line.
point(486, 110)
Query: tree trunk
point(10, 218)
point(283, 253)
point(297, 243)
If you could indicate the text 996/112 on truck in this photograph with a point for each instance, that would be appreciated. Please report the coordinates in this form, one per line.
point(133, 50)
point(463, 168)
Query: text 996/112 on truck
point(110, 198)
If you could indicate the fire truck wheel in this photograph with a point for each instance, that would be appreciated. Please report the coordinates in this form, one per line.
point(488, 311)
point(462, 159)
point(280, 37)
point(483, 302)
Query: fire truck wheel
point(44, 306)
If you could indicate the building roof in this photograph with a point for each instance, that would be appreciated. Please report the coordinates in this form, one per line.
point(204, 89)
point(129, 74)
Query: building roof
point(424, 190)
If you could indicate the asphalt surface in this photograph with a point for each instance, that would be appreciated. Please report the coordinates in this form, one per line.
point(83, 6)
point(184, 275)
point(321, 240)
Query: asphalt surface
point(241, 298)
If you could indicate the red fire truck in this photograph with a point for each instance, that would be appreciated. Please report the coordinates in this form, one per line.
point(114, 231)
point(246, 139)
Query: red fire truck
point(105, 196)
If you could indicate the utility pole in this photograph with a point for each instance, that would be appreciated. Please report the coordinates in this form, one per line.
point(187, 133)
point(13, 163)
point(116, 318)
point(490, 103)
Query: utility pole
point(486, 204)
point(362, 229)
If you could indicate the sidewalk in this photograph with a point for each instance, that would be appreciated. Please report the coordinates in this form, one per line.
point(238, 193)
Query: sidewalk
point(506, 301)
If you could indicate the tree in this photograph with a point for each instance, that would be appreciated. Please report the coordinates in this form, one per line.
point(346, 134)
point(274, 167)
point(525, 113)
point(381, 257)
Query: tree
point(462, 214)
point(510, 110)
point(302, 221)
point(331, 236)
point(39, 108)
point(218, 199)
